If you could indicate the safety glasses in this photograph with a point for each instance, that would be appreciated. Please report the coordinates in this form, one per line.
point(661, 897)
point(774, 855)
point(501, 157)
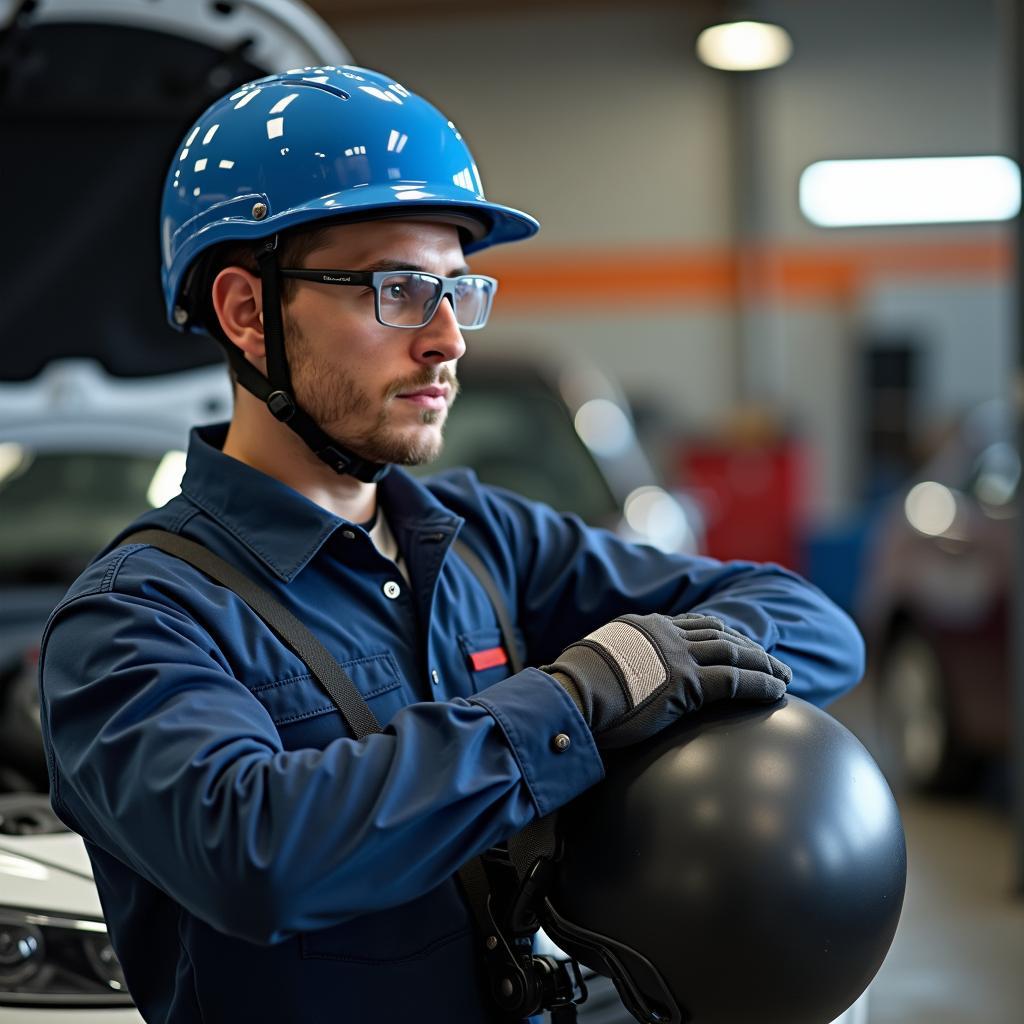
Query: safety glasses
point(407, 298)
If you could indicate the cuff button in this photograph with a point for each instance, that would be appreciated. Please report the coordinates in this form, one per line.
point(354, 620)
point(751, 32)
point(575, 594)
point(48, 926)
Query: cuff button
point(560, 743)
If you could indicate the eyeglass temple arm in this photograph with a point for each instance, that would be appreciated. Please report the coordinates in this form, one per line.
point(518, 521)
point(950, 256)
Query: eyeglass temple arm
point(329, 276)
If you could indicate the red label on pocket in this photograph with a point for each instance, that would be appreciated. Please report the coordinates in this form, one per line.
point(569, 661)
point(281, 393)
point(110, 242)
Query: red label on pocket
point(488, 659)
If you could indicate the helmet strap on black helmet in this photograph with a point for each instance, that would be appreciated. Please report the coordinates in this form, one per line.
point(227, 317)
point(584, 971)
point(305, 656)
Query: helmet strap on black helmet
point(640, 985)
point(275, 390)
point(505, 888)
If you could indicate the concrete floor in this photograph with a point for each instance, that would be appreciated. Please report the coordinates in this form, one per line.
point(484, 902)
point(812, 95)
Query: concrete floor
point(958, 955)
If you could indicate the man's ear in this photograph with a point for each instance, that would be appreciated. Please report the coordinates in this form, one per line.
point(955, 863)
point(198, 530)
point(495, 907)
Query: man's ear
point(237, 299)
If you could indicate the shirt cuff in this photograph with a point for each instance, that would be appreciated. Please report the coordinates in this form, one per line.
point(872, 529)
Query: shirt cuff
point(548, 736)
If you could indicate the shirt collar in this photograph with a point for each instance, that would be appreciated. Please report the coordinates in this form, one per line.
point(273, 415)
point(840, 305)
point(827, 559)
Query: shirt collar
point(282, 527)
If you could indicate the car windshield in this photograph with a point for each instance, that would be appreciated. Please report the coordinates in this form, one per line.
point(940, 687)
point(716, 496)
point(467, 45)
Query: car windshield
point(58, 509)
point(525, 441)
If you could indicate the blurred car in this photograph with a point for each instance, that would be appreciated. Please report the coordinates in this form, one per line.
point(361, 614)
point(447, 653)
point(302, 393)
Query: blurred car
point(935, 608)
point(81, 454)
point(562, 433)
point(107, 87)
point(56, 961)
point(95, 96)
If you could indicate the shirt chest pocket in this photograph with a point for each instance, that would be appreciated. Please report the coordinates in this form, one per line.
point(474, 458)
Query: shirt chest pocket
point(484, 657)
point(305, 714)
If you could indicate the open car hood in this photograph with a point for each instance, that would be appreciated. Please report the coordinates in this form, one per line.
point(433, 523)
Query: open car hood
point(95, 95)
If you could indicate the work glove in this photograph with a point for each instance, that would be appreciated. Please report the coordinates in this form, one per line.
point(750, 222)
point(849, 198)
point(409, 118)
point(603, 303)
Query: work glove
point(638, 673)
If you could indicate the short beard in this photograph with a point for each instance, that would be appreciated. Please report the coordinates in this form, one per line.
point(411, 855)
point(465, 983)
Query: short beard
point(336, 401)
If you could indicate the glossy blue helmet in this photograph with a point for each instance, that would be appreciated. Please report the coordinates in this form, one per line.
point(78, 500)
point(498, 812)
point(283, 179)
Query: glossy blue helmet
point(316, 143)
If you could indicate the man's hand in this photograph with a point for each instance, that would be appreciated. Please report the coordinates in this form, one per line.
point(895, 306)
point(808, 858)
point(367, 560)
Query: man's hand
point(638, 673)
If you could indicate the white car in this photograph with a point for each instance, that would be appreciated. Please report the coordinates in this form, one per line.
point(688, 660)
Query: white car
point(108, 448)
point(56, 963)
point(81, 454)
point(72, 423)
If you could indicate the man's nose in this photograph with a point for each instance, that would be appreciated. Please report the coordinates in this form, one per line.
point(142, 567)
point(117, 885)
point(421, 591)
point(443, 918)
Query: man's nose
point(440, 340)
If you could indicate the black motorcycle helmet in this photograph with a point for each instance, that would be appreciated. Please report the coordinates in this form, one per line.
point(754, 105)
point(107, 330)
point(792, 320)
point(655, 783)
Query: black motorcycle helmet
point(744, 865)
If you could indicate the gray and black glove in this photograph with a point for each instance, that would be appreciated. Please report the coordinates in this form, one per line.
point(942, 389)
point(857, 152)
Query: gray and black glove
point(639, 673)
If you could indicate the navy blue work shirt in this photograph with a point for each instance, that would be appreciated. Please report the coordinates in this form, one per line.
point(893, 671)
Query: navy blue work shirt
point(254, 861)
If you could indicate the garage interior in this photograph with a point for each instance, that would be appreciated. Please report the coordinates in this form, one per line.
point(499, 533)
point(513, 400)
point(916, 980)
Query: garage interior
point(605, 123)
point(794, 384)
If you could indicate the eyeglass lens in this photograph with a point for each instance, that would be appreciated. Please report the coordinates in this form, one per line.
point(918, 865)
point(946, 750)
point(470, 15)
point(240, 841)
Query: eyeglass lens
point(409, 300)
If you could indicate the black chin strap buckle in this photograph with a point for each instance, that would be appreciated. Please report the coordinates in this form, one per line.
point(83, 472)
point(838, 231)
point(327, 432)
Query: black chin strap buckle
point(281, 405)
point(524, 983)
point(335, 459)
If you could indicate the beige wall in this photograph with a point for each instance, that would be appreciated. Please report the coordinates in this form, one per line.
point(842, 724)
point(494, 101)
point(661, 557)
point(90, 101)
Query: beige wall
point(602, 123)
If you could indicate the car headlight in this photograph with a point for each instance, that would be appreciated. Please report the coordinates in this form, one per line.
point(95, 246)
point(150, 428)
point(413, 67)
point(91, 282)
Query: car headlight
point(52, 960)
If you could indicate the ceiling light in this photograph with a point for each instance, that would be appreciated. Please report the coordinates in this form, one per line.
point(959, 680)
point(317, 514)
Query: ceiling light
point(930, 508)
point(744, 46)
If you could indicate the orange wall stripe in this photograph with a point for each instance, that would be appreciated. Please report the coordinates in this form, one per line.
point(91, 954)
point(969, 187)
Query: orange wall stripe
point(660, 277)
point(619, 277)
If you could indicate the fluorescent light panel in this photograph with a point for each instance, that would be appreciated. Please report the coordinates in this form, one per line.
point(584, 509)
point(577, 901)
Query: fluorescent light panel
point(924, 190)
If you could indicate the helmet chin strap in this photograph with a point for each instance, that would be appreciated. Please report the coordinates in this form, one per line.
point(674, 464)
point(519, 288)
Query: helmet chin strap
point(276, 388)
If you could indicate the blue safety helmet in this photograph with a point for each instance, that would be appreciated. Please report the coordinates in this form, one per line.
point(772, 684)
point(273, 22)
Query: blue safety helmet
point(315, 144)
point(312, 144)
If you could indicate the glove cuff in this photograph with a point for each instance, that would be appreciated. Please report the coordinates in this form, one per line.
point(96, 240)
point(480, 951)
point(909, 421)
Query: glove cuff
point(569, 685)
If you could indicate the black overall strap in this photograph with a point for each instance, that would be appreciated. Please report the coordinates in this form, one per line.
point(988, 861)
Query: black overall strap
point(484, 578)
point(331, 676)
point(538, 839)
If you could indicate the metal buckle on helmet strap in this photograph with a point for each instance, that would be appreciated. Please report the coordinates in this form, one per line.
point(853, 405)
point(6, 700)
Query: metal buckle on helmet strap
point(281, 405)
point(523, 983)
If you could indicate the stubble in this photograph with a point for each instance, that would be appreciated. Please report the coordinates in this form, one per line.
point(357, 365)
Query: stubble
point(343, 407)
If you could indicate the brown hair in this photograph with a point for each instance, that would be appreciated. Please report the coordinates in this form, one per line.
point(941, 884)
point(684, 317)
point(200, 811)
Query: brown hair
point(293, 246)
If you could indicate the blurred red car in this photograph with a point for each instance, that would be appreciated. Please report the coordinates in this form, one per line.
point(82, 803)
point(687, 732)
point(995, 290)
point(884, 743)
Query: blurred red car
point(935, 608)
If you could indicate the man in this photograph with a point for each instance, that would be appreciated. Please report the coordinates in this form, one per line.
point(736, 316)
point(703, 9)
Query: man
point(257, 862)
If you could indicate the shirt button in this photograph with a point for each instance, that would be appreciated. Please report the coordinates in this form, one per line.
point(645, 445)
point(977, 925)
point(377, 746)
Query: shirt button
point(348, 534)
point(560, 743)
point(392, 589)
point(435, 678)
